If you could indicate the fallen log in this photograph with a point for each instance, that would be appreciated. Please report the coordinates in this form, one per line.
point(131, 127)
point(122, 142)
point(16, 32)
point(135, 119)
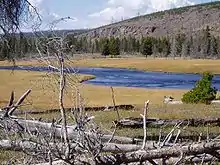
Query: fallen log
point(45, 128)
point(138, 122)
point(127, 153)
point(20, 145)
point(143, 155)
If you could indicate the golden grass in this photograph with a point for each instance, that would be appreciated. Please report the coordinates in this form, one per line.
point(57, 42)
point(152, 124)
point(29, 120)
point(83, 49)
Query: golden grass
point(169, 65)
point(44, 96)
point(164, 65)
point(45, 91)
point(44, 87)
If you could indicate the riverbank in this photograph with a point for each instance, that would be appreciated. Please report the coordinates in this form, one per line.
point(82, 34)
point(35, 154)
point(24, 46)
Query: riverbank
point(139, 63)
point(44, 93)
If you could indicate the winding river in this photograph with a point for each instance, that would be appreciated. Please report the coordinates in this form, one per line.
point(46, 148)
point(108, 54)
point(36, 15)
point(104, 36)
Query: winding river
point(130, 78)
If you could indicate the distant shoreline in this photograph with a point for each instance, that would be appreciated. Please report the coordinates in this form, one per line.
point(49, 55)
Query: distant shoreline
point(195, 66)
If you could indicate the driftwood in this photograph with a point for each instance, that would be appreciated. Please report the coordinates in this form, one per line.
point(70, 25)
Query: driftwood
point(176, 151)
point(133, 153)
point(138, 122)
point(34, 126)
point(107, 147)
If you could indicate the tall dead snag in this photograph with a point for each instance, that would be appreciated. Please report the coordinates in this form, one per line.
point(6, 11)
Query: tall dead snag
point(114, 104)
point(144, 123)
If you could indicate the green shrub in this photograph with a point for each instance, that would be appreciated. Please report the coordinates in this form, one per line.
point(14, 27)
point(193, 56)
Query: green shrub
point(202, 92)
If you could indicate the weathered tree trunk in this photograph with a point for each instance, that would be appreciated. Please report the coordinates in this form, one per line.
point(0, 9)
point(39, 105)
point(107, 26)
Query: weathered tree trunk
point(142, 155)
point(107, 147)
point(138, 122)
point(45, 128)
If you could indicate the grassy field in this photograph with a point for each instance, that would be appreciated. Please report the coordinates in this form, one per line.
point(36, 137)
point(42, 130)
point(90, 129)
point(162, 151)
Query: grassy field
point(44, 96)
point(164, 65)
point(44, 93)
point(45, 88)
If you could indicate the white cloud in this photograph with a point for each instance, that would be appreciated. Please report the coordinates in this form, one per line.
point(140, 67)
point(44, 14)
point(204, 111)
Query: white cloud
point(55, 15)
point(134, 4)
point(119, 9)
point(109, 13)
point(158, 5)
point(49, 18)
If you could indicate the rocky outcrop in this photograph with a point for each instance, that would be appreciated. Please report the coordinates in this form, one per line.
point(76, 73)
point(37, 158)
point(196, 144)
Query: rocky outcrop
point(187, 20)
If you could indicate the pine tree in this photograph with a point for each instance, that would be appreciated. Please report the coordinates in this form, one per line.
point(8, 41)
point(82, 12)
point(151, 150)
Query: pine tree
point(185, 49)
point(105, 48)
point(218, 46)
point(138, 46)
point(133, 44)
point(213, 47)
point(173, 47)
point(96, 46)
point(147, 46)
point(165, 45)
point(125, 44)
point(179, 40)
point(205, 43)
point(114, 46)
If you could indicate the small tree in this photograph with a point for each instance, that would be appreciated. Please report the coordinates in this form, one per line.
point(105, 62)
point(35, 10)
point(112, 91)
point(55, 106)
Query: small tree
point(203, 92)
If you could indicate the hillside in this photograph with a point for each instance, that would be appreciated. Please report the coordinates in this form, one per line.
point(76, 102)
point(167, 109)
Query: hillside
point(190, 19)
point(56, 32)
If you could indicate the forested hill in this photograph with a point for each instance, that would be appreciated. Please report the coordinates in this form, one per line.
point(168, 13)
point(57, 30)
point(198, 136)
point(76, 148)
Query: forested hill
point(192, 31)
point(190, 19)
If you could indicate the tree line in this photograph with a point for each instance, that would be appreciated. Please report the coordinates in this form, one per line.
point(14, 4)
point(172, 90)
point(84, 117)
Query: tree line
point(200, 45)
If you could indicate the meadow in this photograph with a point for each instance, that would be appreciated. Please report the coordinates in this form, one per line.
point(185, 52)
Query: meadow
point(44, 87)
point(44, 93)
point(140, 63)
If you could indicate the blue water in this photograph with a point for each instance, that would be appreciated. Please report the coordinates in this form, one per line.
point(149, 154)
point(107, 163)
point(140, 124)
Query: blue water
point(130, 78)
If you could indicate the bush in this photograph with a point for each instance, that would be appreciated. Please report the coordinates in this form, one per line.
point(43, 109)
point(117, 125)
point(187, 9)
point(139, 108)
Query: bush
point(202, 92)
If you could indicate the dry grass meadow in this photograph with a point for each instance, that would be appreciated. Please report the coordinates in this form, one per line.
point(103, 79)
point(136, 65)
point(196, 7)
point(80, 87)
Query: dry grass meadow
point(44, 93)
point(140, 63)
point(44, 88)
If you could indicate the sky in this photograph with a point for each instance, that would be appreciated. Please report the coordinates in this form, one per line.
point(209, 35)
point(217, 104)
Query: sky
point(94, 13)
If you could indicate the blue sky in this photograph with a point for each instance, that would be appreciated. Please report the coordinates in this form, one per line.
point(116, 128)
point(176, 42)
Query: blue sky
point(94, 13)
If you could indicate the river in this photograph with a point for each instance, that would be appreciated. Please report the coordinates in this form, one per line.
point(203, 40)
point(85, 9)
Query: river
point(131, 78)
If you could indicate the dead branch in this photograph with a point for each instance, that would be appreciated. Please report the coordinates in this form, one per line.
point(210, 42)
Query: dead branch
point(19, 102)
